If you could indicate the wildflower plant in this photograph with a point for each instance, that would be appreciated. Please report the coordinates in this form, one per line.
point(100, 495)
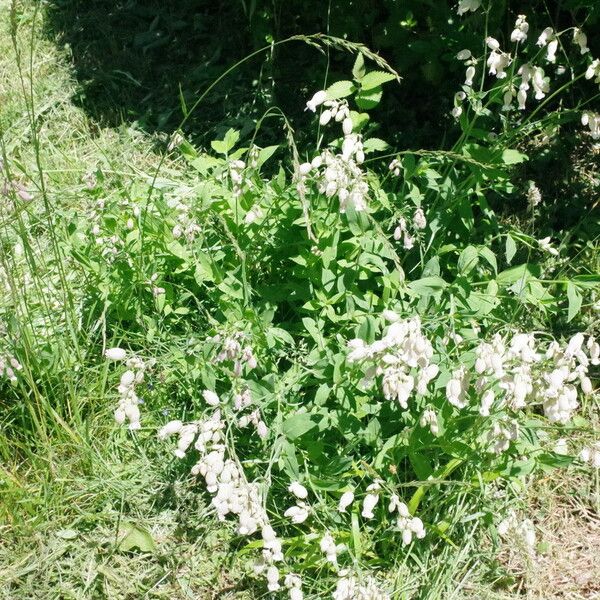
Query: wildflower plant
point(357, 364)
point(355, 346)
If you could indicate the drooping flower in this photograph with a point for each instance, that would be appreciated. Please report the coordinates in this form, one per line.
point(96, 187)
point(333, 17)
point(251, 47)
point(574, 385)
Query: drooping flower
point(211, 398)
point(465, 6)
point(116, 354)
point(316, 100)
point(298, 490)
point(519, 33)
point(545, 245)
point(592, 120)
point(580, 39)
point(593, 70)
point(345, 501)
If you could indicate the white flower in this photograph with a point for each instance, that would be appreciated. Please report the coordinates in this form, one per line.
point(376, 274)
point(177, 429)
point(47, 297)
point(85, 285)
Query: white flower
point(345, 501)
point(593, 70)
point(519, 33)
point(296, 594)
point(347, 126)
point(508, 96)
point(298, 514)
point(115, 354)
point(409, 526)
point(316, 100)
point(545, 245)
point(545, 36)
point(211, 398)
point(328, 547)
point(429, 419)
point(561, 446)
point(369, 503)
point(419, 220)
point(592, 120)
point(492, 43)
point(469, 74)
point(457, 388)
point(252, 215)
point(580, 39)
point(390, 316)
point(294, 584)
point(465, 6)
point(325, 117)
point(464, 54)
point(551, 51)
point(591, 455)
point(298, 490)
point(169, 429)
point(497, 62)
point(305, 168)
point(487, 400)
point(541, 84)
point(273, 578)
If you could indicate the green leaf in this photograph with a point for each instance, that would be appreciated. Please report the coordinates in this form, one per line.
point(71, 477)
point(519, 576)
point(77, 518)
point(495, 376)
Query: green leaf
point(176, 249)
point(134, 536)
point(340, 89)
point(518, 273)
point(229, 141)
point(510, 248)
point(427, 285)
point(358, 70)
point(297, 425)
point(375, 79)
point(265, 154)
point(374, 145)
point(575, 299)
point(490, 257)
point(311, 326)
point(468, 260)
point(369, 98)
point(513, 157)
point(288, 461)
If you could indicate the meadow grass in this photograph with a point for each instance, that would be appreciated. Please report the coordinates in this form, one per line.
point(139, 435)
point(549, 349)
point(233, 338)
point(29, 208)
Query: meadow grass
point(73, 486)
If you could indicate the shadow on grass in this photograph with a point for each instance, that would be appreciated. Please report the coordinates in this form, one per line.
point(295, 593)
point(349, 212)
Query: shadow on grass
point(140, 61)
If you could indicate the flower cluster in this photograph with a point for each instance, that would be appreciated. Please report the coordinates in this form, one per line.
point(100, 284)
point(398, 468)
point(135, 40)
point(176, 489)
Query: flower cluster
point(592, 121)
point(406, 523)
point(236, 174)
point(511, 374)
point(235, 349)
point(8, 368)
point(522, 530)
point(128, 407)
point(531, 76)
point(232, 493)
point(186, 225)
point(338, 174)
point(519, 33)
point(350, 587)
point(591, 455)
point(402, 356)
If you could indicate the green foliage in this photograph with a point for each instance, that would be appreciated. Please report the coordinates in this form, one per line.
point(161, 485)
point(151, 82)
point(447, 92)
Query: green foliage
point(277, 273)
